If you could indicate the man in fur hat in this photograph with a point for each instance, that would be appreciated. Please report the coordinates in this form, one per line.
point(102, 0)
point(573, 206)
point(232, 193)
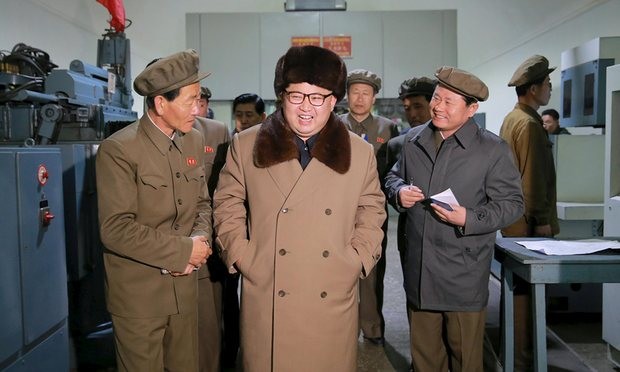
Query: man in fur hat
point(298, 212)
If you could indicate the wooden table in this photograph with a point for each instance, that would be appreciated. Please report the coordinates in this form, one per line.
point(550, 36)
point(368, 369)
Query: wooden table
point(539, 269)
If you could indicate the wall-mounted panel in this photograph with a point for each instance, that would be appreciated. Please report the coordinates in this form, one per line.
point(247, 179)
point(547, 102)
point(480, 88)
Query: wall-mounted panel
point(416, 44)
point(366, 31)
point(229, 47)
point(276, 30)
point(242, 49)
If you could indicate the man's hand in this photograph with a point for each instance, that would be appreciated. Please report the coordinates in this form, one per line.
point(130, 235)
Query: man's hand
point(188, 270)
point(543, 230)
point(456, 217)
point(200, 251)
point(409, 195)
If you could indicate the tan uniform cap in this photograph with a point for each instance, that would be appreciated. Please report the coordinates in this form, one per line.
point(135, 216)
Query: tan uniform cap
point(534, 68)
point(169, 73)
point(462, 82)
point(205, 93)
point(421, 86)
point(364, 77)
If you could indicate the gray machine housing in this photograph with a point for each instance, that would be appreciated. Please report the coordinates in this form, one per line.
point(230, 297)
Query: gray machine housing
point(56, 118)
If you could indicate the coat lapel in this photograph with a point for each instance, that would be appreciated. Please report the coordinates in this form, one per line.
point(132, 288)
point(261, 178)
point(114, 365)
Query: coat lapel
point(296, 184)
point(285, 175)
point(309, 181)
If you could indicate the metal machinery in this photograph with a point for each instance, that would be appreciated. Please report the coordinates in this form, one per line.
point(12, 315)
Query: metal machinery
point(580, 158)
point(51, 122)
point(591, 105)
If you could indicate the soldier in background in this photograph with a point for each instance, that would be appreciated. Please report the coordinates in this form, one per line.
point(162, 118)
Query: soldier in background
point(523, 130)
point(362, 88)
point(211, 276)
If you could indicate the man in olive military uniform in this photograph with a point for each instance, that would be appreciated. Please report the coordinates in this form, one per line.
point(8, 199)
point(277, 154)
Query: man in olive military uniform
point(204, 111)
point(155, 221)
point(551, 122)
point(416, 93)
point(362, 88)
point(523, 130)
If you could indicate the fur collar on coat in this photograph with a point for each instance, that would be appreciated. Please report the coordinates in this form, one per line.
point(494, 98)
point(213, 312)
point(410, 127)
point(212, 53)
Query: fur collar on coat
point(275, 144)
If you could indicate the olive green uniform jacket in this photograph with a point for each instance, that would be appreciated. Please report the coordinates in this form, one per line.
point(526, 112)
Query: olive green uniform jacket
point(211, 275)
point(524, 132)
point(217, 139)
point(309, 236)
point(377, 131)
point(152, 197)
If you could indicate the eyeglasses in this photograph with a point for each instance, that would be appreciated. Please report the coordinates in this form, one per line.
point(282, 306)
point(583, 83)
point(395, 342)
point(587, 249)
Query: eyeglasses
point(315, 99)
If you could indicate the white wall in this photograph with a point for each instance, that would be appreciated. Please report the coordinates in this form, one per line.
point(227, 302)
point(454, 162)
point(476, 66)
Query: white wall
point(594, 22)
point(493, 36)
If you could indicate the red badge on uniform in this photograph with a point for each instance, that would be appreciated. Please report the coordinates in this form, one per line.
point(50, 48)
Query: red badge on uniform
point(380, 140)
point(208, 149)
point(191, 161)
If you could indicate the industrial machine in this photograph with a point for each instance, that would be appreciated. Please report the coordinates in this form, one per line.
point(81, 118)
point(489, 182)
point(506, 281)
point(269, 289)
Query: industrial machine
point(580, 159)
point(583, 81)
point(588, 164)
point(583, 74)
point(51, 122)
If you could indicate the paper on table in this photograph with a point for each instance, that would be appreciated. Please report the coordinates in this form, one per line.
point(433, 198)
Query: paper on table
point(568, 247)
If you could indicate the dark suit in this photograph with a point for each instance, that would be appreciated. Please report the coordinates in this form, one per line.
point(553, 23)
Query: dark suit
point(211, 276)
point(394, 148)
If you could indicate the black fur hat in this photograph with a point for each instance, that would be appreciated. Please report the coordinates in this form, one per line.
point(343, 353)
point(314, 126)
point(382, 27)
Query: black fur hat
point(313, 65)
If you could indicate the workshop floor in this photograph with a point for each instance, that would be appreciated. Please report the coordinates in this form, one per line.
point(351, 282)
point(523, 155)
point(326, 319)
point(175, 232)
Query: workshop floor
point(574, 341)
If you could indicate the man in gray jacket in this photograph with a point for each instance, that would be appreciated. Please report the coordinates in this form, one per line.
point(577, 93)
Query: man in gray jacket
point(449, 247)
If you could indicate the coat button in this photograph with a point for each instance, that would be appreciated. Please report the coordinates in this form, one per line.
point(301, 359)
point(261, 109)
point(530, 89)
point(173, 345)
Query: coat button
point(281, 293)
point(323, 294)
point(180, 201)
point(177, 226)
point(326, 254)
point(328, 211)
point(178, 174)
point(282, 252)
point(284, 210)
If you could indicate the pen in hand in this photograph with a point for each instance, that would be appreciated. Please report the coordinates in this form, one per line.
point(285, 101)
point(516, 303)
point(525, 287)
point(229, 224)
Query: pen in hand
point(410, 194)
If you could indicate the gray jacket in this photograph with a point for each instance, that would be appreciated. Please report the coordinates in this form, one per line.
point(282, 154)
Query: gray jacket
point(447, 268)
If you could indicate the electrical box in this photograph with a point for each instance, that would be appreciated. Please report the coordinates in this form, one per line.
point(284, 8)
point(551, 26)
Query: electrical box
point(33, 288)
point(583, 81)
